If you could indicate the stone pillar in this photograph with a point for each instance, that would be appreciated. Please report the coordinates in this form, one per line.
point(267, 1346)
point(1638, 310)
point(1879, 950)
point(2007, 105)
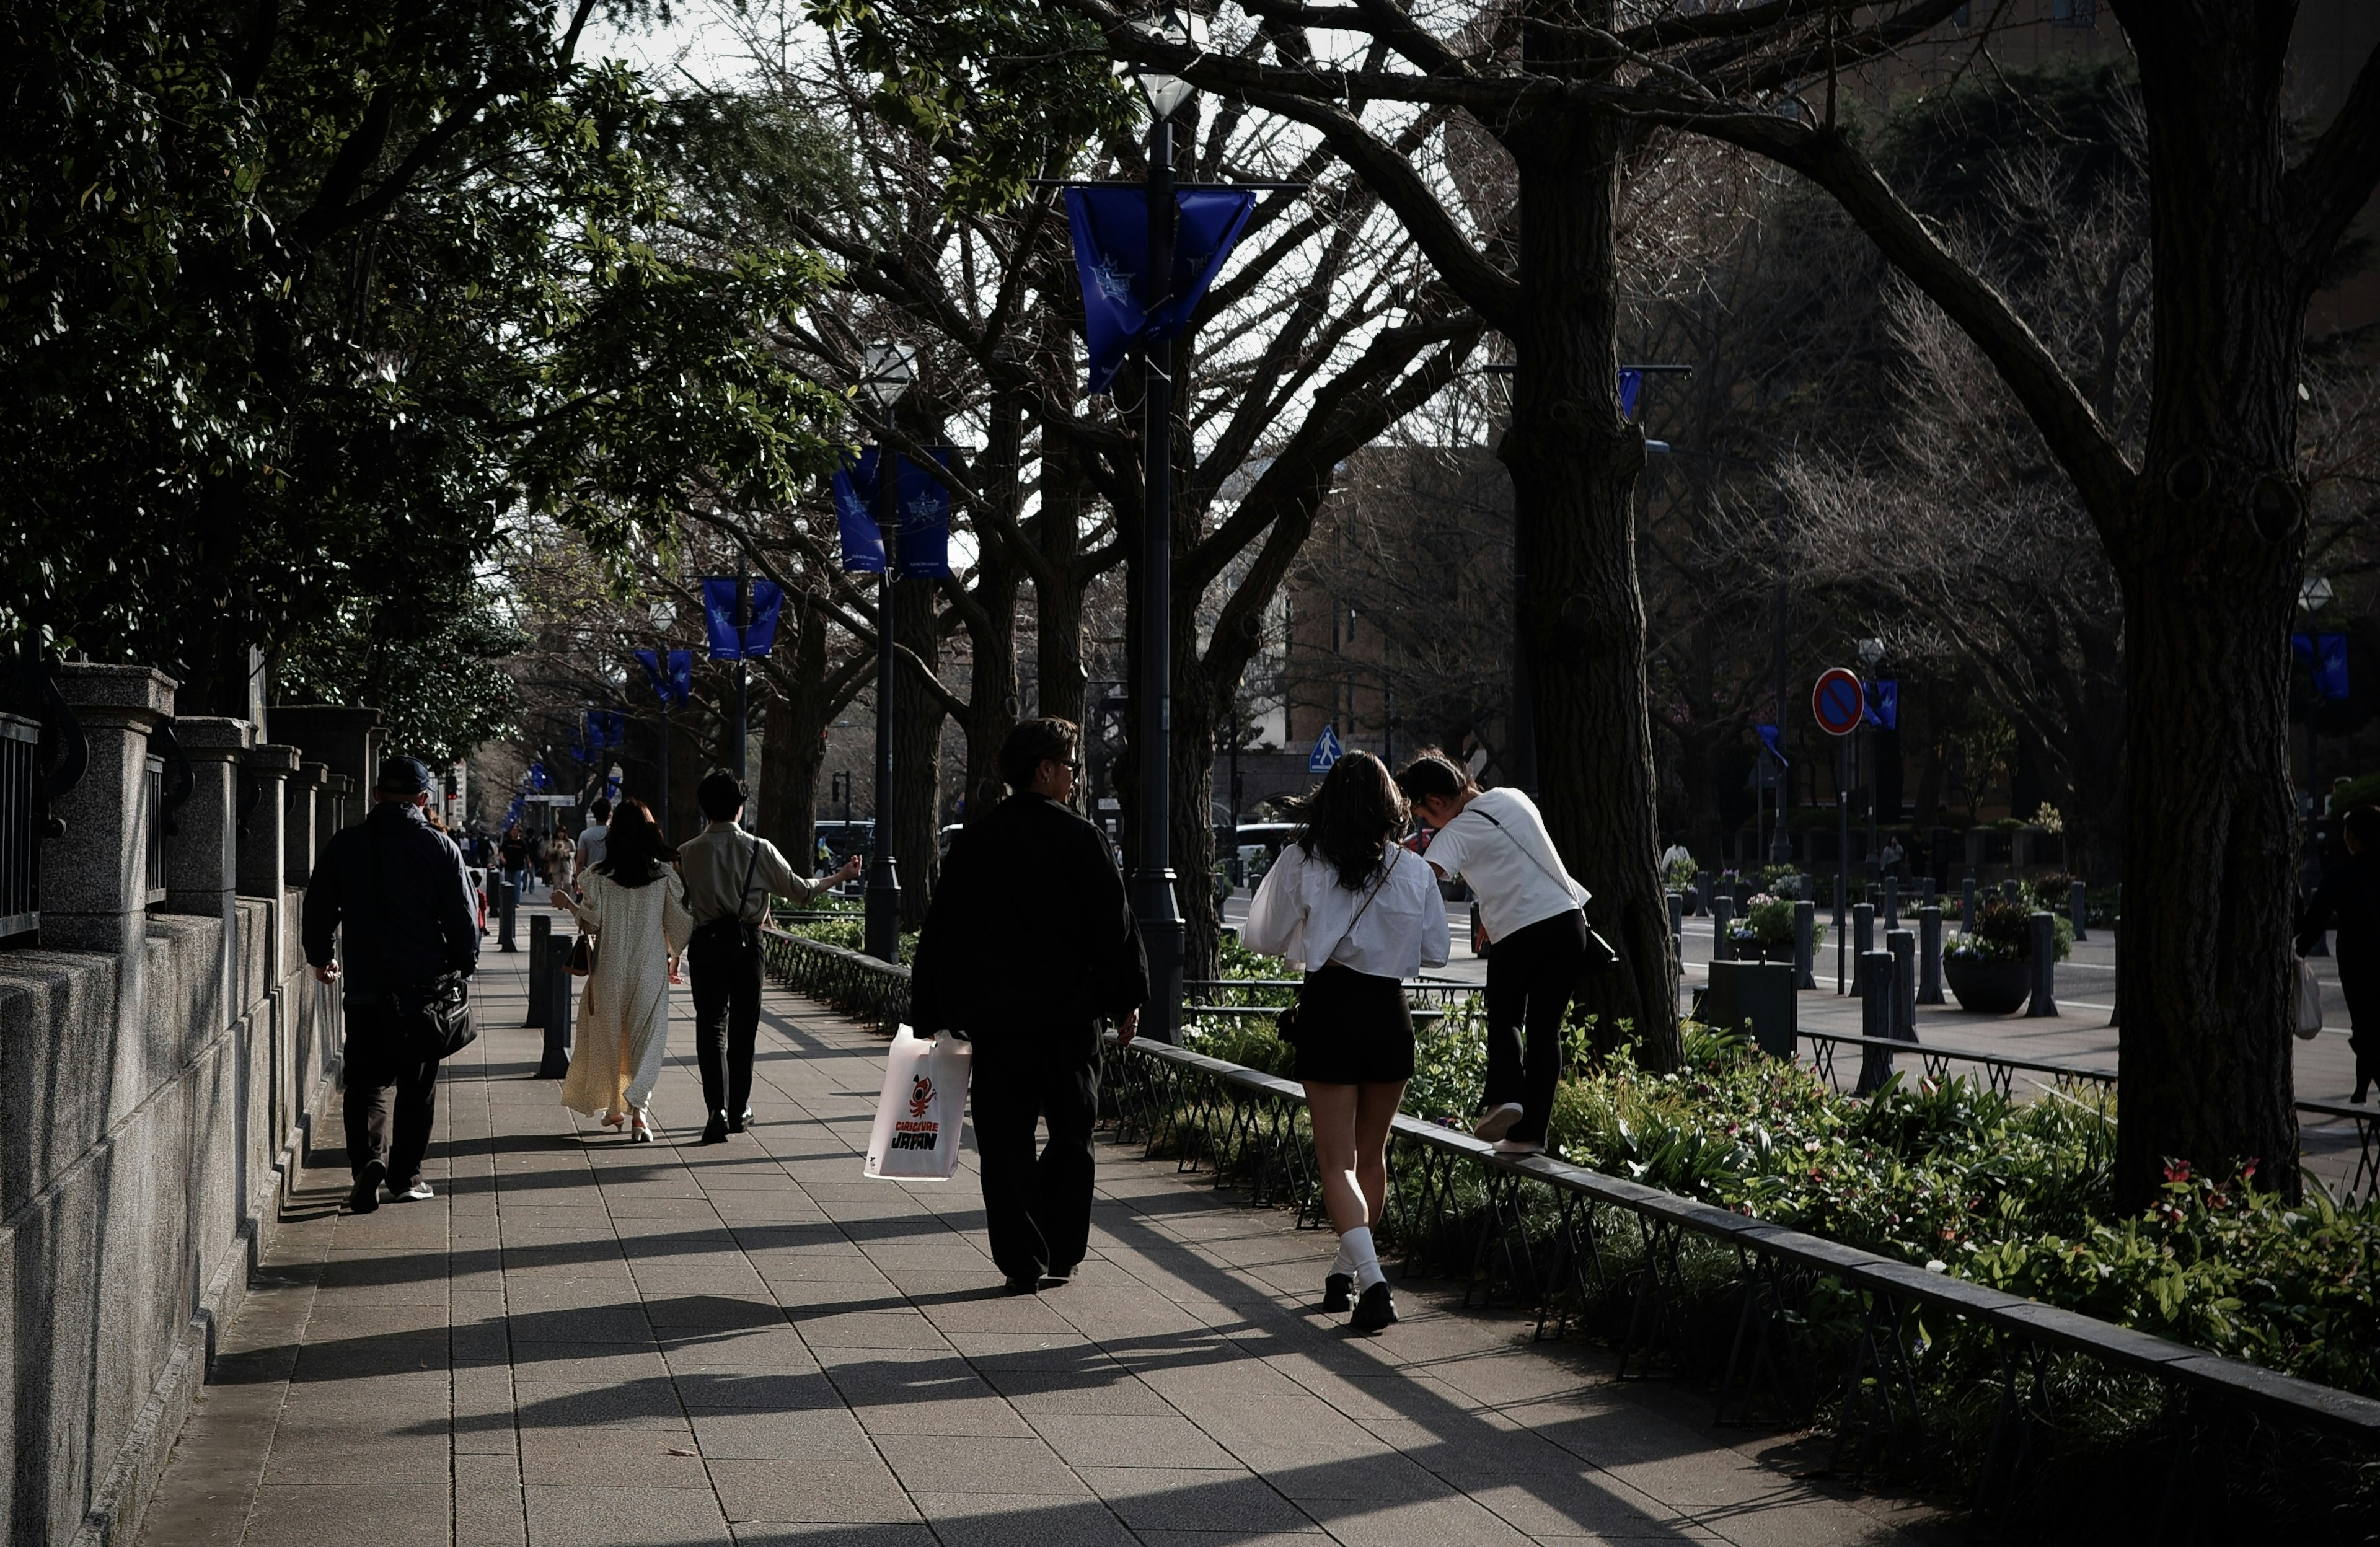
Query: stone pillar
point(297, 852)
point(1929, 955)
point(331, 805)
point(264, 822)
point(2044, 968)
point(202, 856)
point(95, 879)
point(1805, 930)
point(343, 740)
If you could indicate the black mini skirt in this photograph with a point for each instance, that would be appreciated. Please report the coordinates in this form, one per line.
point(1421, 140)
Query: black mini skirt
point(1352, 1029)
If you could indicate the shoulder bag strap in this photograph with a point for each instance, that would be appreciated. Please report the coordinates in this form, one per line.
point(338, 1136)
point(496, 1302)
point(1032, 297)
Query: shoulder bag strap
point(1358, 918)
point(1562, 881)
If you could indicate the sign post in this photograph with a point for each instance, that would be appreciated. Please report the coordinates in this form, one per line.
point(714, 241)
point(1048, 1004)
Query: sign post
point(1840, 704)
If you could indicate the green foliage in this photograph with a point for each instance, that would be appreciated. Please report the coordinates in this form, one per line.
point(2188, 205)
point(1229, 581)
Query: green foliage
point(2002, 930)
point(1678, 874)
point(434, 674)
point(2362, 790)
point(290, 320)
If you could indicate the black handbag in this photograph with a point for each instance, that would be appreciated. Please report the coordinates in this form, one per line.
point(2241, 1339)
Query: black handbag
point(434, 1018)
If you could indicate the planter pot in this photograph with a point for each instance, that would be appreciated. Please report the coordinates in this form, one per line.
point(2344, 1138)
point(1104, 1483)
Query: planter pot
point(1990, 988)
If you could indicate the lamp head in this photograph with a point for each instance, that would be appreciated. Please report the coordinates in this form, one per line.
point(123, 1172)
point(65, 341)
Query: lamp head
point(1184, 27)
point(663, 612)
point(1870, 651)
point(2314, 593)
point(886, 372)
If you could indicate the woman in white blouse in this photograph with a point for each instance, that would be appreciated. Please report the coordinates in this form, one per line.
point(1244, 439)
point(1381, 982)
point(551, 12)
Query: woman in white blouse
point(1357, 914)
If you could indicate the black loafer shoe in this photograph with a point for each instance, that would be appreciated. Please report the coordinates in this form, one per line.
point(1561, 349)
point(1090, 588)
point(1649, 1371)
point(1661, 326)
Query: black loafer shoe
point(1334, 1292)
point(715, 1131)
point(366, 1196)
point(1378, 1308)
point(1022, 1285)
point(1055, 1277)
point(738, 1121)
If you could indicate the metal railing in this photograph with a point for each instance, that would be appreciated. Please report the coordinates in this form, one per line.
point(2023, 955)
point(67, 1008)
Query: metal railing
point(1574, 1244)
point(21, 825)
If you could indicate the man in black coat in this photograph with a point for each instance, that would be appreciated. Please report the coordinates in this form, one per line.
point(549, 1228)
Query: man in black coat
point(2348, 901)
point(1029, 946)
point(400, 889)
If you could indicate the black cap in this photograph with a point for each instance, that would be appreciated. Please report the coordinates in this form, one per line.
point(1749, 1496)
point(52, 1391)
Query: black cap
point(404, 776)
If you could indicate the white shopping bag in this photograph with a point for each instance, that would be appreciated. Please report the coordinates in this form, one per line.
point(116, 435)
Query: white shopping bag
point(2309, 1002)
point(919, 1116)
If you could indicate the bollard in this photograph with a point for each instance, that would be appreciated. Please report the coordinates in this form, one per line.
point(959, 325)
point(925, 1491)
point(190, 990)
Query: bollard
point(2078, 903)
point(1806, 929)
point(1722, 915)
point(1967, 905)
point(1742, 894)
point(1862, 944)
point(508, 902)
point(1702, 893)
point(1876, 1019)
point(540, 945)
point(2116, 1000)
point(2044, 968)
point(561, 1000)
point(1901, 946)
point(1677, 901)
point(2012, 891)
point(1891, 903)
point(1926, 895)
point(1929, 955)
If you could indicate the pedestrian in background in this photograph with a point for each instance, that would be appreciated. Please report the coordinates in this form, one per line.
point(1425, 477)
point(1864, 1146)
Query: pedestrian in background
point(730, 875)
point(1497, 841)
point(2348, 898)
point(511, 863)
point(633, 909)
point(1029, 946)
point(399, 891)
point(588, 852)
point(1357, 914)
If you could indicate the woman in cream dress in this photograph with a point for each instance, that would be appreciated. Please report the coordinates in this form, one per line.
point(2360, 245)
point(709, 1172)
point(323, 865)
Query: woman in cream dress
point(634, 907)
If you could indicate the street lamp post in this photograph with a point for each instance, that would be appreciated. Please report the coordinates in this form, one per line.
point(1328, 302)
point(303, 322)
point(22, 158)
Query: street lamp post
point(1871, 654)
point(1153, 901)
point(664, 614)
point(743, 679)
point(890, 369)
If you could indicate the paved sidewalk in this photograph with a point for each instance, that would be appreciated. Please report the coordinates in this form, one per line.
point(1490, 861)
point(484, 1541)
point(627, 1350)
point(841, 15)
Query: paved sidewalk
point(584, 1341)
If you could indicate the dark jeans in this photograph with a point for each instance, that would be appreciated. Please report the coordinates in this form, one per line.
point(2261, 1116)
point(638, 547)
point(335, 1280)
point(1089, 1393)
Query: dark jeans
point(726, 1016)
point(1036, 1207)
point(1531, 975)
point(392, 1098)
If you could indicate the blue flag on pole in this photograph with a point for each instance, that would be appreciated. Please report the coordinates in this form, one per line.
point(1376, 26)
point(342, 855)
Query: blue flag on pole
point(1631, 382)
point(760, 634)
point(719, 616)
point(1110, 229)
point(1773, 742)
point(1884, 704)
point(924, 507)
point(676, 684)
point(2324, 658)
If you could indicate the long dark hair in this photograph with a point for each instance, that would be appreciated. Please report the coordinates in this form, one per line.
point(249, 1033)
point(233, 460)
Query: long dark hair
point(633, 849)
point(1355, 809)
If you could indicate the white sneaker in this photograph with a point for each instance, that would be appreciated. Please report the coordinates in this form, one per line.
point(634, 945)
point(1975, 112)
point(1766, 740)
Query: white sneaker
point(1519, 1147)
point(417, 1193)
point(1497, 1121)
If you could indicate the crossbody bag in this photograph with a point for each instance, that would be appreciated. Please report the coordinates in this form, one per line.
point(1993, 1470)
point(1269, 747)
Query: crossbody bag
point(434, 1019)
point(1600, 956)
point(744, 933)
point(1285, 1023)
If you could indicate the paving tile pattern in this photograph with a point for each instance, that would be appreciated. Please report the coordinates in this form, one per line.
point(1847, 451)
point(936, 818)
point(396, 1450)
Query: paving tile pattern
point(584, 1341)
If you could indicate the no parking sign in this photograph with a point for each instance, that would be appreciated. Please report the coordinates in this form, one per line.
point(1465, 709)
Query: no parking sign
point(1839, 702)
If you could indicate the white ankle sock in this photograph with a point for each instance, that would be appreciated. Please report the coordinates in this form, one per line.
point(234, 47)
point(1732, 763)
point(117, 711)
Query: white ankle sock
point(1345, 1261)
point(1358, 1245)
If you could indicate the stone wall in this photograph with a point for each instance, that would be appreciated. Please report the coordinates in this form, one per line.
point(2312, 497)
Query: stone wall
point(161, 1067)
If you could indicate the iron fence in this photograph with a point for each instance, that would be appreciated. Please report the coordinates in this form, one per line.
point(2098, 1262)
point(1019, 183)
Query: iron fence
point(874, 992)
point(21, 825)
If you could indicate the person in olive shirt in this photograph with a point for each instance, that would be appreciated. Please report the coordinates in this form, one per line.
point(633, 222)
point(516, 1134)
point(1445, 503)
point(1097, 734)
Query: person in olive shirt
point(1029, 944)
point(729, 876)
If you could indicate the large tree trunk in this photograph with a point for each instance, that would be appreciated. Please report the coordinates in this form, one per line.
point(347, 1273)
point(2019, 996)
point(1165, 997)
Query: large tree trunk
point(1197, 715)
point(797, 711)
point(1058, 610)
point(1574, 460)
point(2209, 552)
point(916, 752)
point(992, 689)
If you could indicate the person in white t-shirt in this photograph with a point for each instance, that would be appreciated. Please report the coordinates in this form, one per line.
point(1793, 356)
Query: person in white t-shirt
point(1358, 914)
point(1497, 841)
point(592, 837)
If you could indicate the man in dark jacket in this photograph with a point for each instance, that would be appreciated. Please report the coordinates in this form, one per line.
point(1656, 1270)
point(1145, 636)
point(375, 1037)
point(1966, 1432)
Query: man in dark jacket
point(1030, 945)
point(402, 892)
point(2348, 901)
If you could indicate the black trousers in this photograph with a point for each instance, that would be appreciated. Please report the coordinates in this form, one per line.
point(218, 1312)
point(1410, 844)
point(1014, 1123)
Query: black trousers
point(1036, 1208)
point(391, 1100)
point(726, 1016)
point(1532, 973)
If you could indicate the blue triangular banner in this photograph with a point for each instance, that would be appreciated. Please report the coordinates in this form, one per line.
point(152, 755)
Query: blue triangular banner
point(925, 505)
point(760, 634)
point(1110, 231)
point(719, 616)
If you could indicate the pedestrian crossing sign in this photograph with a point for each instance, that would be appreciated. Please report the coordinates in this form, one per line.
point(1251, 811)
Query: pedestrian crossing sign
point(1327, 751)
